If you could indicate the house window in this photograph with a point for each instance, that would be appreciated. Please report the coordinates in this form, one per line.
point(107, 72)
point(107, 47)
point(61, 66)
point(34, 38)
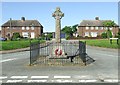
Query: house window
point(87, 34)
point(87, 28)
point(93, 34)
point(92, 28)
point(101, 28)
point(106, 28)
point(110, 28)
point(23, 28)
point(27, 28)
point(32, 28)
point(96, 28)
point(25, 34)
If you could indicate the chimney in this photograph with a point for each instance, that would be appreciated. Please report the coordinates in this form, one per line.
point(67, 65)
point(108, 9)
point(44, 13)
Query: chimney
point(96, 18)
point(23, 18)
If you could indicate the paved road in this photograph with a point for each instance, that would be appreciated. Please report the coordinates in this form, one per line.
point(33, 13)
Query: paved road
point(15, 68)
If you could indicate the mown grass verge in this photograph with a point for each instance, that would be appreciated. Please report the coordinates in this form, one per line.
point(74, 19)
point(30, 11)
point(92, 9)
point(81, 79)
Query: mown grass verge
point(10, 45)
point(103, 43)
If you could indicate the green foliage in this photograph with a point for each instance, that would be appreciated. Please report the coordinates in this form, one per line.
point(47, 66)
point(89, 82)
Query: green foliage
point(49, 35)
point(10, 45)
point(16, 36)
point(102, 43)
point(109, 34)
point(118, 35)
point(104, 35)
point(109, 23)
point(74, 29)
point(67, 30)
point(67, 37)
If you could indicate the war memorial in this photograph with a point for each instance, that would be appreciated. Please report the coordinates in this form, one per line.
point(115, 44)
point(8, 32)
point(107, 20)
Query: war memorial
point(58, 52)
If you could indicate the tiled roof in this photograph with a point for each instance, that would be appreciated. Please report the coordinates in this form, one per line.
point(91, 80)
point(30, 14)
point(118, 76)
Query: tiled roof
point(22, 23)
point(93, 23)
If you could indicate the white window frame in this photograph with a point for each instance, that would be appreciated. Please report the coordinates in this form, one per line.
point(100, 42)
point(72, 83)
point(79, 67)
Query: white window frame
point(101, 28)
point(23, 28)
point(111, 28)
point(25, 34)
point(106, 28)
point(92, 28)
point(87, 28)
point(27, 28)
point(87, 34)
point(32, 28)
point(94, 33)
point(96, 28)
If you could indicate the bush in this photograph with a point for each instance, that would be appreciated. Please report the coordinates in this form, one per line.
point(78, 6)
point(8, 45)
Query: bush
point(16, 36)
point(117, 35)
point(104, 35)
point(67, 37)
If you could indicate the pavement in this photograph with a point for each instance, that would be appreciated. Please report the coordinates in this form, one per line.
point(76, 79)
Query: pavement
point(16, 50)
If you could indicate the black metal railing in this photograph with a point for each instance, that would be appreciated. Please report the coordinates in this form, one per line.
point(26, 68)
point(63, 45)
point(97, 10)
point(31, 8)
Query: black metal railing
point(34, 52)
point(66, 52)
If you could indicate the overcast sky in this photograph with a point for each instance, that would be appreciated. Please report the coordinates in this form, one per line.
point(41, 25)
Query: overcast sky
point(74, 12)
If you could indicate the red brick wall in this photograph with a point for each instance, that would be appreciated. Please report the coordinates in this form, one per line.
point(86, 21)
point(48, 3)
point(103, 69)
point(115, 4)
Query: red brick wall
point(82, 29)
point(5, 30)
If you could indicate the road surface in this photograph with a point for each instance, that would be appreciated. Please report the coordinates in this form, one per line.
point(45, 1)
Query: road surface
point(15, 68)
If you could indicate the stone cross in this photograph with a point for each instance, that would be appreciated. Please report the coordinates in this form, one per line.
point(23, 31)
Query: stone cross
point(58, 15)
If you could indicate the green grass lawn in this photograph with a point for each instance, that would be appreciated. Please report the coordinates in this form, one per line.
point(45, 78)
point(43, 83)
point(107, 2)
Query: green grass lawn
point(103, 43)
point(10, 45)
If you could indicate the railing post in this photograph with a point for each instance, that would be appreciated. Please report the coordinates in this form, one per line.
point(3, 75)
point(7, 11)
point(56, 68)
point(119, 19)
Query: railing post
point(30, 52)
point(118, 41)
point(85, 51)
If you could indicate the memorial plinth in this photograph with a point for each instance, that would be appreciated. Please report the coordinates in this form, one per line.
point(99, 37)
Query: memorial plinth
point(57, 51)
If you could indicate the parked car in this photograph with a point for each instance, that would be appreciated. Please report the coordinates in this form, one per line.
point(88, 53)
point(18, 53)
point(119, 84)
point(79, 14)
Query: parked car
point(3, 39)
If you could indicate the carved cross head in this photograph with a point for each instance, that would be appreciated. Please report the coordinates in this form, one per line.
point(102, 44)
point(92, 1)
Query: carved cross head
point(58, 14)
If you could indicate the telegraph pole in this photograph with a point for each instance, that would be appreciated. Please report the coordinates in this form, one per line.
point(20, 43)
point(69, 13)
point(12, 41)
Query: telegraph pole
point(10, 29)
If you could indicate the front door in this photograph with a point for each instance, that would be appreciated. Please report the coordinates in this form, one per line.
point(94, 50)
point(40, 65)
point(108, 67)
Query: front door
point(32, 35)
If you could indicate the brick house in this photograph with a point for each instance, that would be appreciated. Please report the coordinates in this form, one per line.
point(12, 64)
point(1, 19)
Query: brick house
point(26, 28)
point(94, 28)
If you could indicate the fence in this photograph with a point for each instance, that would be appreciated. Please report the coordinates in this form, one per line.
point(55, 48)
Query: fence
point(34, 52)
point(64, 53)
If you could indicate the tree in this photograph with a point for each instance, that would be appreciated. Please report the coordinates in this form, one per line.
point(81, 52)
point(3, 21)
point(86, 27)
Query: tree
point(74, 28)
point(67, 30)
point(49, 35)
point(109, 33)
point(109, 24)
